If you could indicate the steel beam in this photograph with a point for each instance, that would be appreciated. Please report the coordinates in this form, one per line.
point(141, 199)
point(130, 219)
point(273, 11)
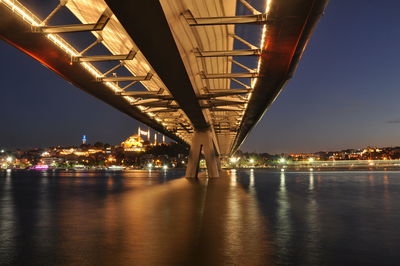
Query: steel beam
point(240, 39)
point(113, 69)
point(147, 96)
point(130, 84)
point(249, 52)
point(132, 78)
point(58, 7)
point(153, 103)
point(221, 93)
point(226, 109)
point(143, 102)
point(229, 75)
point(241, 83)
point(250, 7)
point(90, 46)
point(221, 103)
point(170, 109)
point(100, 58)
point(209, 21)
point(139, 93)
point(98, 26)
point(244, 66)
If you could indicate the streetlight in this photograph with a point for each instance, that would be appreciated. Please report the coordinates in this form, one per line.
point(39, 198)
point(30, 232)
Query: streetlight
point(9, 159)
point(251, 161)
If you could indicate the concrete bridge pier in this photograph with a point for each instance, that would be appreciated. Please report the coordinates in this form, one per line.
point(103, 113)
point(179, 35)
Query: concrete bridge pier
point(202, 142)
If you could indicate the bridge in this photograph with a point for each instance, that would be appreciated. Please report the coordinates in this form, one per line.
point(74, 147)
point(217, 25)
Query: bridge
point(202, 73)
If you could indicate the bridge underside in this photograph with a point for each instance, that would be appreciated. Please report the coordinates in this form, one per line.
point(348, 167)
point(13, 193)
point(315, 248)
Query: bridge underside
point(203, 82)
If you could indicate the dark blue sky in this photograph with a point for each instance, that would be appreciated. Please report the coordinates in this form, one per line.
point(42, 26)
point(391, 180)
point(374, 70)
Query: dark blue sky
point(345, 93)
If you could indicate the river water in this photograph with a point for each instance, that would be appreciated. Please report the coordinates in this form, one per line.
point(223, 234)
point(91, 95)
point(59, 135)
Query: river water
point(248, 217)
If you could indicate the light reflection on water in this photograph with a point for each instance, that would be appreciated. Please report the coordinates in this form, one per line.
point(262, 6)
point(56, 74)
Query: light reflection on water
point(248, 217)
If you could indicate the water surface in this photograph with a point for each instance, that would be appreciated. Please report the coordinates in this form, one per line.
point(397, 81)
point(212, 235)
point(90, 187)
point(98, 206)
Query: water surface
point(248, 217)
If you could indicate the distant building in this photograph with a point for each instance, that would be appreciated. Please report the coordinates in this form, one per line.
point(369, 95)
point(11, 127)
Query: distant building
point(52, 161)
point(84, 139)
point(133, 143)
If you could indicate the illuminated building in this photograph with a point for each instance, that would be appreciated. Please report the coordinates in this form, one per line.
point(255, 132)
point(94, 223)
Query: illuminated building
point(133, 143)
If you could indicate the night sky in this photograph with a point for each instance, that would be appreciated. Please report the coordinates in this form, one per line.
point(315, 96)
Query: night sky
point(345, 93)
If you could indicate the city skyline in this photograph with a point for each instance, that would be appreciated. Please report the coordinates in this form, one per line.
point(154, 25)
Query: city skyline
point(328, 105)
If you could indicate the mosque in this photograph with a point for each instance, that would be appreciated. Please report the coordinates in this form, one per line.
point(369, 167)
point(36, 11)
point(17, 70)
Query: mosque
point(136, 143)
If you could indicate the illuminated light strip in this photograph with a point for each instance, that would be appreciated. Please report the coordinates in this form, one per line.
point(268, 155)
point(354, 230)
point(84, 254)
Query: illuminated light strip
point(263, 36)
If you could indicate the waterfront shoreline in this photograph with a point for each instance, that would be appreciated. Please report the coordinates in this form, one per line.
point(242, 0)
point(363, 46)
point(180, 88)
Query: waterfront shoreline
point(267, 169)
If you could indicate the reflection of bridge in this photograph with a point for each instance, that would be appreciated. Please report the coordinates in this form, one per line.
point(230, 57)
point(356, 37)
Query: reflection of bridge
point(193, 70)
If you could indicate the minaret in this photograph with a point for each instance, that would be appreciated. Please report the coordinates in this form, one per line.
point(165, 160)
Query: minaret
point(148, 134)
point(84, 139)
point(163, 139)
point(155, 138)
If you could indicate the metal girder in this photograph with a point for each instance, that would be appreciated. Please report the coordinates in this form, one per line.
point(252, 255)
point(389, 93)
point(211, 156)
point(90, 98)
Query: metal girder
point(226, 109)
point(170, 109)
point(240, 39)
point(182, 129)
point(249, 52)
point(147, 95)
point(131, 78)
point(130, 84)
point(229, 75)
point(138, 93)
point(98, 26)
point(221, 103)
point(221, 93)
point(250, 7)
point(188, 129)
point(113, 69)
point(225, 129)
point(241, 83)
point(153, 103)
point(209, 21)
point(55, 10)
point(99, 58)
point(243, 66)
point(143, 102)
point(90, 46)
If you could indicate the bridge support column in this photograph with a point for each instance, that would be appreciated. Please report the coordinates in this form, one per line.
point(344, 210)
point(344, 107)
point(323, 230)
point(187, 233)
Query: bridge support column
point(202, 141)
